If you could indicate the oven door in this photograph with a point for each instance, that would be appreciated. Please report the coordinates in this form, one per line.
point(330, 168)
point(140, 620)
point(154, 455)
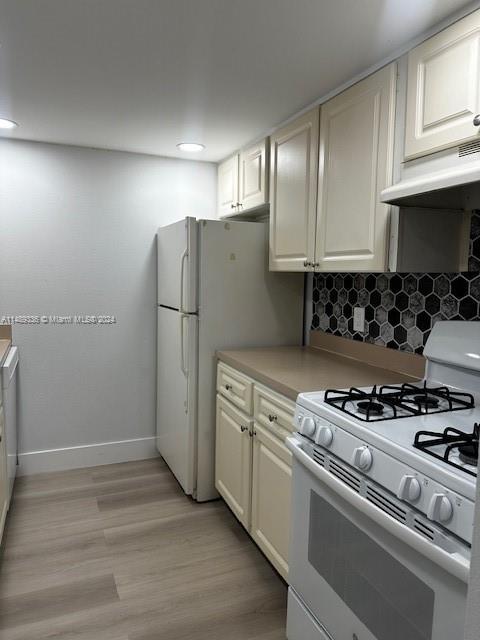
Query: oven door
point(362, 574)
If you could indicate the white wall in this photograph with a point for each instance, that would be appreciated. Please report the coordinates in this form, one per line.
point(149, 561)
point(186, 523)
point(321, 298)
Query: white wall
point(77, 236)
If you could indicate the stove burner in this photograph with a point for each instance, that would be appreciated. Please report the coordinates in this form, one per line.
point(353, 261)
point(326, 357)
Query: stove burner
point(468, 453)
point(426, 402)
point(370, 408)
point(455, 441)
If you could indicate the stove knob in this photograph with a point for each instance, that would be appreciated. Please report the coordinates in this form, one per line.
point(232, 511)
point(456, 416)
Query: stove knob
point(324, 436)
point(362, 458)
point(409, 489)
point(440, 508)
point(308, 427)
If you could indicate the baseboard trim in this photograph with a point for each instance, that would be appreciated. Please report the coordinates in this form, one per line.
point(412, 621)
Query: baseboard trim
point(90, 455)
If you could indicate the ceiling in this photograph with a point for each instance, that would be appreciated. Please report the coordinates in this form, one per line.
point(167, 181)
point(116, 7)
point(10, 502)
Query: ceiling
point(143, 75)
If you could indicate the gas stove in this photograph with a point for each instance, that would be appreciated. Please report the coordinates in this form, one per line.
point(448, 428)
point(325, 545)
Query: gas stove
point(417, 440)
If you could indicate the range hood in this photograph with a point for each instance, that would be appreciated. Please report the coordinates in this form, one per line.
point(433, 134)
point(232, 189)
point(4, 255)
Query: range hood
point(439, 181)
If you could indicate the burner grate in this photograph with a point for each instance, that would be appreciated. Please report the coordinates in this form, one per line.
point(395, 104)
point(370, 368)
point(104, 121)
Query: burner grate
point(429, 398)
point(403, 401)
point(454, 440)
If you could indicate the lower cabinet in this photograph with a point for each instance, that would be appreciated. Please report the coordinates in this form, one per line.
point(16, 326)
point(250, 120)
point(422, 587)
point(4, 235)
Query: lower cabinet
point(3, 474)
point(233, 459)
point(271, 493)
point(253, 468)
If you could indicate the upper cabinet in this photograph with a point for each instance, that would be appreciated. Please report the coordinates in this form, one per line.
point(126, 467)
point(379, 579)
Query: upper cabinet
point(253, 176)
point(443, 93)
point(227, 186)
point(243, 181)
point(356, 162)
point(325, 210)
point(293, 193)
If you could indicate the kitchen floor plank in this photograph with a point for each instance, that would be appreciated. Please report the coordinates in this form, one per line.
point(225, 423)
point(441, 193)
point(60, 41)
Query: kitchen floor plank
point(56, 601)
point(120, 553)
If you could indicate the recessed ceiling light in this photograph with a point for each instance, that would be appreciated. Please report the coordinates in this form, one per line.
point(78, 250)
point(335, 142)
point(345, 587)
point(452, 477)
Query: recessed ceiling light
point(7, 124)
point(191, 147)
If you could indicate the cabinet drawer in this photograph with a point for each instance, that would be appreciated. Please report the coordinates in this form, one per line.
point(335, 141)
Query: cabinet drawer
point(274, 412)
point(236, 387)
point(273, 443)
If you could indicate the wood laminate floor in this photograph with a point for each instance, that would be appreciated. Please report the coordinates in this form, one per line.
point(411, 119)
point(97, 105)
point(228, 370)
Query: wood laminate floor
point(119, 553)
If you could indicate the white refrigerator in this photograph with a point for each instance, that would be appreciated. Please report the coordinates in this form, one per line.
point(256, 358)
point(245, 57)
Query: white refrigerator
point(214, 292)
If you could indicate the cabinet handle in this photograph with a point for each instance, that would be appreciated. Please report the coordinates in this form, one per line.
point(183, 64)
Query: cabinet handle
point(272, 417)
point(476, 120)
point(307, 263)
point(228, 387)
point(243, 429)
point(239, 204)
point(233, 206)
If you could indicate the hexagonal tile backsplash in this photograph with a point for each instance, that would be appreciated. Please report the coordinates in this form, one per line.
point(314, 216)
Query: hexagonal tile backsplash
point(400, 308)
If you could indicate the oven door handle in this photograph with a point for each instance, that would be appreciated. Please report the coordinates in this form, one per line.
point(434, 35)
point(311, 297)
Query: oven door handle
point(453, 563)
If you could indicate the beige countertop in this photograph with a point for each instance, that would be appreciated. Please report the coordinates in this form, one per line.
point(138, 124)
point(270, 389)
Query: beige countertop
point(4, 347)
point(292, 370)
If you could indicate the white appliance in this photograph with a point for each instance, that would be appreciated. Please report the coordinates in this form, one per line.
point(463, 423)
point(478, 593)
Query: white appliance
point(383, 501)
point(9, 387)
point(214, 292)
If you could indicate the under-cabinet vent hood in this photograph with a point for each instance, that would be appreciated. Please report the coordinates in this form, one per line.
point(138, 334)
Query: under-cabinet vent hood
point(440, 181)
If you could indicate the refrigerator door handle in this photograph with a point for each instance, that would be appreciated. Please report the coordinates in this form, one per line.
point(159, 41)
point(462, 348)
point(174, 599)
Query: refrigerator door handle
point(182, 278)
point(184, 369)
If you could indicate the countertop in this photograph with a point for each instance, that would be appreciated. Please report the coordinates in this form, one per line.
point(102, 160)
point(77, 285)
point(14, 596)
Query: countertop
point(292, 370)
point(4, 347)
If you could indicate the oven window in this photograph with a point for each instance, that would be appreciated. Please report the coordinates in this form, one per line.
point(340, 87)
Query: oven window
point(390, 600)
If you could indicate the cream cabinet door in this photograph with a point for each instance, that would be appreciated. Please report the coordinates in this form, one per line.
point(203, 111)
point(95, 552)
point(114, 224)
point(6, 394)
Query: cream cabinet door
point(356, 162)
point(443, 94)
point(233, 459)
point(227, 186)
point(271, 494)
point(293, 193)
point(253, 176)
point(3, 475)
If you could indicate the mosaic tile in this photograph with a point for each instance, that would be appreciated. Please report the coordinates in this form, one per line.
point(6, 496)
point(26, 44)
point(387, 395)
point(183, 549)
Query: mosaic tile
point(400, 308)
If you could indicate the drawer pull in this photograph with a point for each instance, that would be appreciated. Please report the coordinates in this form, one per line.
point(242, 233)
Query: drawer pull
point(272, 417)
point(228, 387)
point(243, 429)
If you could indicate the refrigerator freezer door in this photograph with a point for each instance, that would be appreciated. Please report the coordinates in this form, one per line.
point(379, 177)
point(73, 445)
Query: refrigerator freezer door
point(176, 394)
point(177, 265)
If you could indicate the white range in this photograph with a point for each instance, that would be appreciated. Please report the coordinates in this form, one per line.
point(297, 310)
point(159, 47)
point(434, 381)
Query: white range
point(384, 485)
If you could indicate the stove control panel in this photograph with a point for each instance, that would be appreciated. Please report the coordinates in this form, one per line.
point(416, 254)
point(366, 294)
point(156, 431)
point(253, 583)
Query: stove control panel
point(362, 458)
point(440, 503)
point(324, 436)
point(440, 508)
point(409, 489)
point(317, 429)
point(308, 427)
